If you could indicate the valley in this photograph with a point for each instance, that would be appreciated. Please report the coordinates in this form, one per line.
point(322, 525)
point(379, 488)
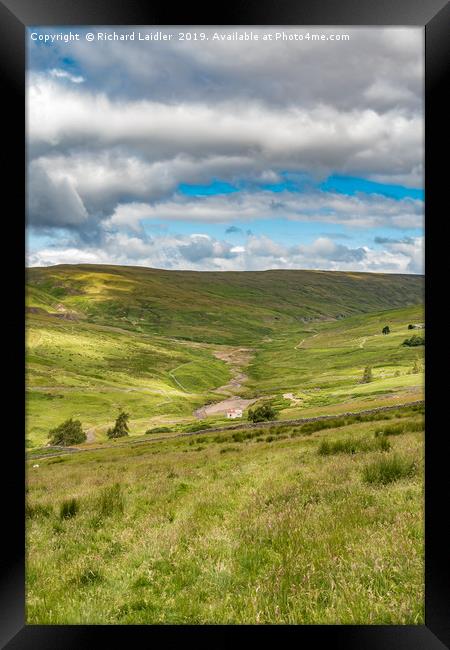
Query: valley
point(111, 353)
point(194, 518)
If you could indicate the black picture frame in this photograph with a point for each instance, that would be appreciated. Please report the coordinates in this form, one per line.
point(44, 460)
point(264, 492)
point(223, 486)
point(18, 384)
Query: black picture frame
point(434, 15)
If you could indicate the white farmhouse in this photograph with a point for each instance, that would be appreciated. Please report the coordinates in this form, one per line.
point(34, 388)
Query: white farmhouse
point(234, 413)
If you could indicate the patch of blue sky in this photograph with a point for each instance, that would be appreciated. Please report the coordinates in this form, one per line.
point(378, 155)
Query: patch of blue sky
point(292, 182)
point(36, 240)
point(43, 56)
point(282, 231)
point(351, 185)
point(212, 189)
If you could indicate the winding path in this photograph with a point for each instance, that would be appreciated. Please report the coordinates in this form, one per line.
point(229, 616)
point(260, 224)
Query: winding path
point(296, 347)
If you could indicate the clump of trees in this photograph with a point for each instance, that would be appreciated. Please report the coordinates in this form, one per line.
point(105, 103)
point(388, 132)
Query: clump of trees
point(68, 433)
point(262, 413)
point(386, 330)
point(120, 427)
point(367, 375)
point(414, 341)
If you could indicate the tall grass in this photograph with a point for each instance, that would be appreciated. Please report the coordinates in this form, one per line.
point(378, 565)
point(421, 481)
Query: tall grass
point(33, 511)
point(231, 534)
point(111, 500)
point(399, 428)
point(388, 469)
point(351, 446)
point(68, 508)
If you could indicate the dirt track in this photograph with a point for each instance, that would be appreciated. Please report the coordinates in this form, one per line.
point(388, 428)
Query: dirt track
point(236, 358)
point(223, 406)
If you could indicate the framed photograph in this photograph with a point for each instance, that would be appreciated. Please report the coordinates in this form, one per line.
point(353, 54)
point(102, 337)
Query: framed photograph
point(224, 332)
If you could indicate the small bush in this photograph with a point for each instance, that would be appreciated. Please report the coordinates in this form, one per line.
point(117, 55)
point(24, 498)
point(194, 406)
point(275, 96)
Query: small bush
point(262, 413)
point(111, 500)
point(367, 375)
point(414, 341)
point(388, 469)
point(68, 509)
point(67, 433)
point(120, 427)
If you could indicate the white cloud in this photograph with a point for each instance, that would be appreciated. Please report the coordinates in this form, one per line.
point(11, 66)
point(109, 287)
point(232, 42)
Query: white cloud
point(360, 211)
point(201, 252)
point(321, 138)
point(63, 74)
point(108, 148)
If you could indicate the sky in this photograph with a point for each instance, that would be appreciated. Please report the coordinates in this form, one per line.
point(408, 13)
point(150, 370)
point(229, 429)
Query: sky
point(226, 154)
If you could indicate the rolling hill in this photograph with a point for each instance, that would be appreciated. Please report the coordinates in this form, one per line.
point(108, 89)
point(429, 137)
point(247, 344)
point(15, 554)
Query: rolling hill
point(162, 344)
point(314, 523)
point(238, 308)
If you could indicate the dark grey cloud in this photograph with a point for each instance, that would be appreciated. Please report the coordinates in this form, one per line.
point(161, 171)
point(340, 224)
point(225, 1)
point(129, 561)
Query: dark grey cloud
point(377, 68)
point(393, 240)
point(115, 128)
point(53, 202)
point(335, 235)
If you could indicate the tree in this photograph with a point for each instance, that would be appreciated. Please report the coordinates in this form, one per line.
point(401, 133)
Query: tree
point(120, 427)
point(262, 413)
point(67, 433)
point(414, 341)
point(386, 329)
point(367, 375)
point(410, 327)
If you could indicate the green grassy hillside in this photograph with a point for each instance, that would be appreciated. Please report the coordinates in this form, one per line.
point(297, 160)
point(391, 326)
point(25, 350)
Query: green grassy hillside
point(322, 362)
point(89, 371)
point(319, 523)
point(100, 339)
point(234, 308)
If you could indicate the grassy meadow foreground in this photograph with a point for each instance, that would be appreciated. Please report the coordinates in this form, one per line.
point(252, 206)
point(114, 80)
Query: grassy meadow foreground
point(319, 522)
point(286, 525)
